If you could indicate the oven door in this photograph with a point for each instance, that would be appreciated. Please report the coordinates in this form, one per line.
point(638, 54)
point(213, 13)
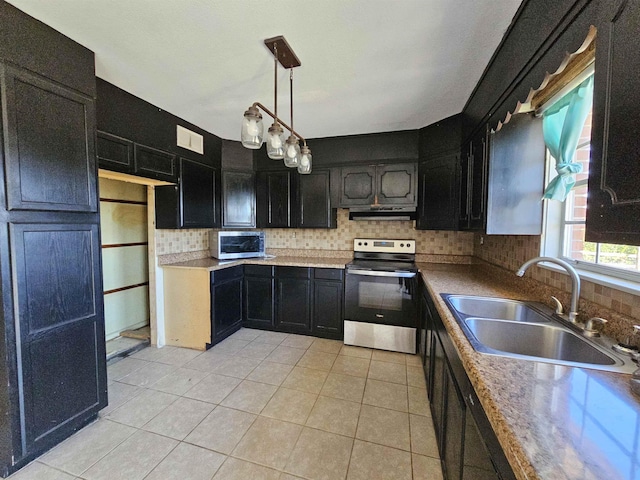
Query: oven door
point(380, 297)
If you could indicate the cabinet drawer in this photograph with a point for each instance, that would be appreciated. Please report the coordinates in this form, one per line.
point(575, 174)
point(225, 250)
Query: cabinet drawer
point(259, 270)
point(226, 274)
point(293, 272)
point(329, 273)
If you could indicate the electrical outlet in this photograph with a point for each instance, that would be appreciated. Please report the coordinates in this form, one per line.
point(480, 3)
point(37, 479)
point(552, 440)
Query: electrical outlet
point(481, 240)
point(293, 234)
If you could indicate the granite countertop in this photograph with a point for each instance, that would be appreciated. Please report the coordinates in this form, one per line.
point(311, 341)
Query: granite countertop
point(553, 422)
point(211, 264)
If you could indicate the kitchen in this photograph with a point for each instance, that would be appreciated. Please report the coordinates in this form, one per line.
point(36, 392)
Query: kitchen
point(514, 78)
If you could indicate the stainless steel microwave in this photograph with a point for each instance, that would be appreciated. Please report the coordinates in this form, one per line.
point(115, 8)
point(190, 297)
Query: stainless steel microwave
point(226, 245)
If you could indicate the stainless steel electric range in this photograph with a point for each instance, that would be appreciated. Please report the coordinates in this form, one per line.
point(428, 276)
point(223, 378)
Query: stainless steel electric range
point(380, 295)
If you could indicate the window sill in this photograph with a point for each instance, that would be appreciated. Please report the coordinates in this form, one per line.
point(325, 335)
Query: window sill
point(624, 285)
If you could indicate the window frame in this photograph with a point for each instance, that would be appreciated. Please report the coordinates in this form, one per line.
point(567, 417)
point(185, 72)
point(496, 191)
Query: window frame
point(554, 238)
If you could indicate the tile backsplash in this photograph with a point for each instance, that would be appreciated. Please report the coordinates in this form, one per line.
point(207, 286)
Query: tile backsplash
point(511, 251)
point(340, 239)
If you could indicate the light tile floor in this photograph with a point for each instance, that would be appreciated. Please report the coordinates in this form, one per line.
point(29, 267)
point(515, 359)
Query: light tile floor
point(259, 405)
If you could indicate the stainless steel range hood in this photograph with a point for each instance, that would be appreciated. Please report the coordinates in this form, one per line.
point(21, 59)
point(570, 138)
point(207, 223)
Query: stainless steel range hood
point(382, 212)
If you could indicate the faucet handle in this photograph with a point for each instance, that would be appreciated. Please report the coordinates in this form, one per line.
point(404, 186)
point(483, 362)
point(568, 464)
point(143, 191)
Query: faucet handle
point(559, 307)
point(589, 327)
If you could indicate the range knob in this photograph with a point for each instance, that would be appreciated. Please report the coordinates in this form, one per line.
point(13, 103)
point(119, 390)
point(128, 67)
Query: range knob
point(408, 244)
point(359, 243)
point(402, 245)
point(366, 243)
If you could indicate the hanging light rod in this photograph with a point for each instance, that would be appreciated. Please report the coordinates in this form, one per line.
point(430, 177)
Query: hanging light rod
point(272, 115)
point(252, 127)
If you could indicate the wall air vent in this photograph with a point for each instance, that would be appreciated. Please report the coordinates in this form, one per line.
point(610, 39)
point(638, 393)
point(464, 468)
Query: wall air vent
point(190, 140)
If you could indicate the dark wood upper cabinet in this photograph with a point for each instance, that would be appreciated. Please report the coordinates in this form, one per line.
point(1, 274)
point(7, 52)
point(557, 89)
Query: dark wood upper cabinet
point(114, 153)
point(438, 179)
point(472, 210)
point(49, 144)
point(464, 179)
point(193, 202)
point(397, 184)
point(613, 204)
point(274, 194)
point(438, 193)
point(358, 186)
point(239, 199)
point(153, 163)
point(389, 184)
point(314, 201)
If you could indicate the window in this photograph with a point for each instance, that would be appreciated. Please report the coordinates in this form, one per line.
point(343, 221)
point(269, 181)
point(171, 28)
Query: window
point(565, 226)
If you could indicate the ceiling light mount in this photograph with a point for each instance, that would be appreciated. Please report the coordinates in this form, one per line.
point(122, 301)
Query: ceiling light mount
point(253, 129)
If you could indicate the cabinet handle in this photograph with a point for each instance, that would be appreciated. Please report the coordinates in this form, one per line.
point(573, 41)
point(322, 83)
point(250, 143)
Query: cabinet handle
point(471, 400)
point(379, 315)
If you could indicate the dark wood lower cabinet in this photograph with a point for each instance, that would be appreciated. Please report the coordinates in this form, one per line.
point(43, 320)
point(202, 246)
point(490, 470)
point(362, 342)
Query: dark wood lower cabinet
point(226, 302)
point(300, 300)
point(293, 299)
point(258, 297)
point(328, 294)
point(468, 446)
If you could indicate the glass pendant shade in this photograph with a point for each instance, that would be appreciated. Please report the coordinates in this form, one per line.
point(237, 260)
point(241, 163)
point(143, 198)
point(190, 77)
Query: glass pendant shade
point(275, 142)
point(252, 129)
point(292, 152)
point(304, 166)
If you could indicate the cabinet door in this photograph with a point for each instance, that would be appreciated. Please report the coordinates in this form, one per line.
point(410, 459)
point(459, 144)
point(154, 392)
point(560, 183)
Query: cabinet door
point(438, 381)
point(314, 202)
point(397, 184)
point(197, 195)
point(114, 153)
point(464, 198)
point(328, 316)
point(49, 144)
point(153, 163)
point(438, 193)
point(358, 186)
point(258, 302)
point(293, 299)
point(273, 195)
point(477, 460)
point(478, 187)
point(239, 199)
point(516, 187)
point(191, 203)
point(226, 303)
point(454, 418)
point(613, 204)
point(61, 327)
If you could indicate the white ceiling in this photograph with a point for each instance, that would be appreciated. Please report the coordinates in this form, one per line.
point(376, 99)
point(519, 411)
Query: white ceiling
point(367, 65)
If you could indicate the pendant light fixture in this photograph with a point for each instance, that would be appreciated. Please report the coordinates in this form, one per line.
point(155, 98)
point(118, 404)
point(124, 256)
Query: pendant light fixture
point(292, 148)
point(252, 133)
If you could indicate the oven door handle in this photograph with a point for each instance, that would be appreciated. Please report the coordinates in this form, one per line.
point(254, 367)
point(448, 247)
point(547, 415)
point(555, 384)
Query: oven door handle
point(377, 273)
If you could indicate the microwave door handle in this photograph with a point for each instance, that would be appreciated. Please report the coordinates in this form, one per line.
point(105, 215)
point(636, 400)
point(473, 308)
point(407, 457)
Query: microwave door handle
point(376, 273)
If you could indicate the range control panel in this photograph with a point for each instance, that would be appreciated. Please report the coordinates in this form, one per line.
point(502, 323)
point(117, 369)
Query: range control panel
point(384, 245)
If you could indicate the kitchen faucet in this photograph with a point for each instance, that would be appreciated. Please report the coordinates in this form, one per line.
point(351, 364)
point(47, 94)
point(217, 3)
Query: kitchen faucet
point(575, 280)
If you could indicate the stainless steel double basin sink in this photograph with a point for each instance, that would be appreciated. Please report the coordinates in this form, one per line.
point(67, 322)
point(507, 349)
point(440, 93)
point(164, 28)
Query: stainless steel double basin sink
point(528, 330)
